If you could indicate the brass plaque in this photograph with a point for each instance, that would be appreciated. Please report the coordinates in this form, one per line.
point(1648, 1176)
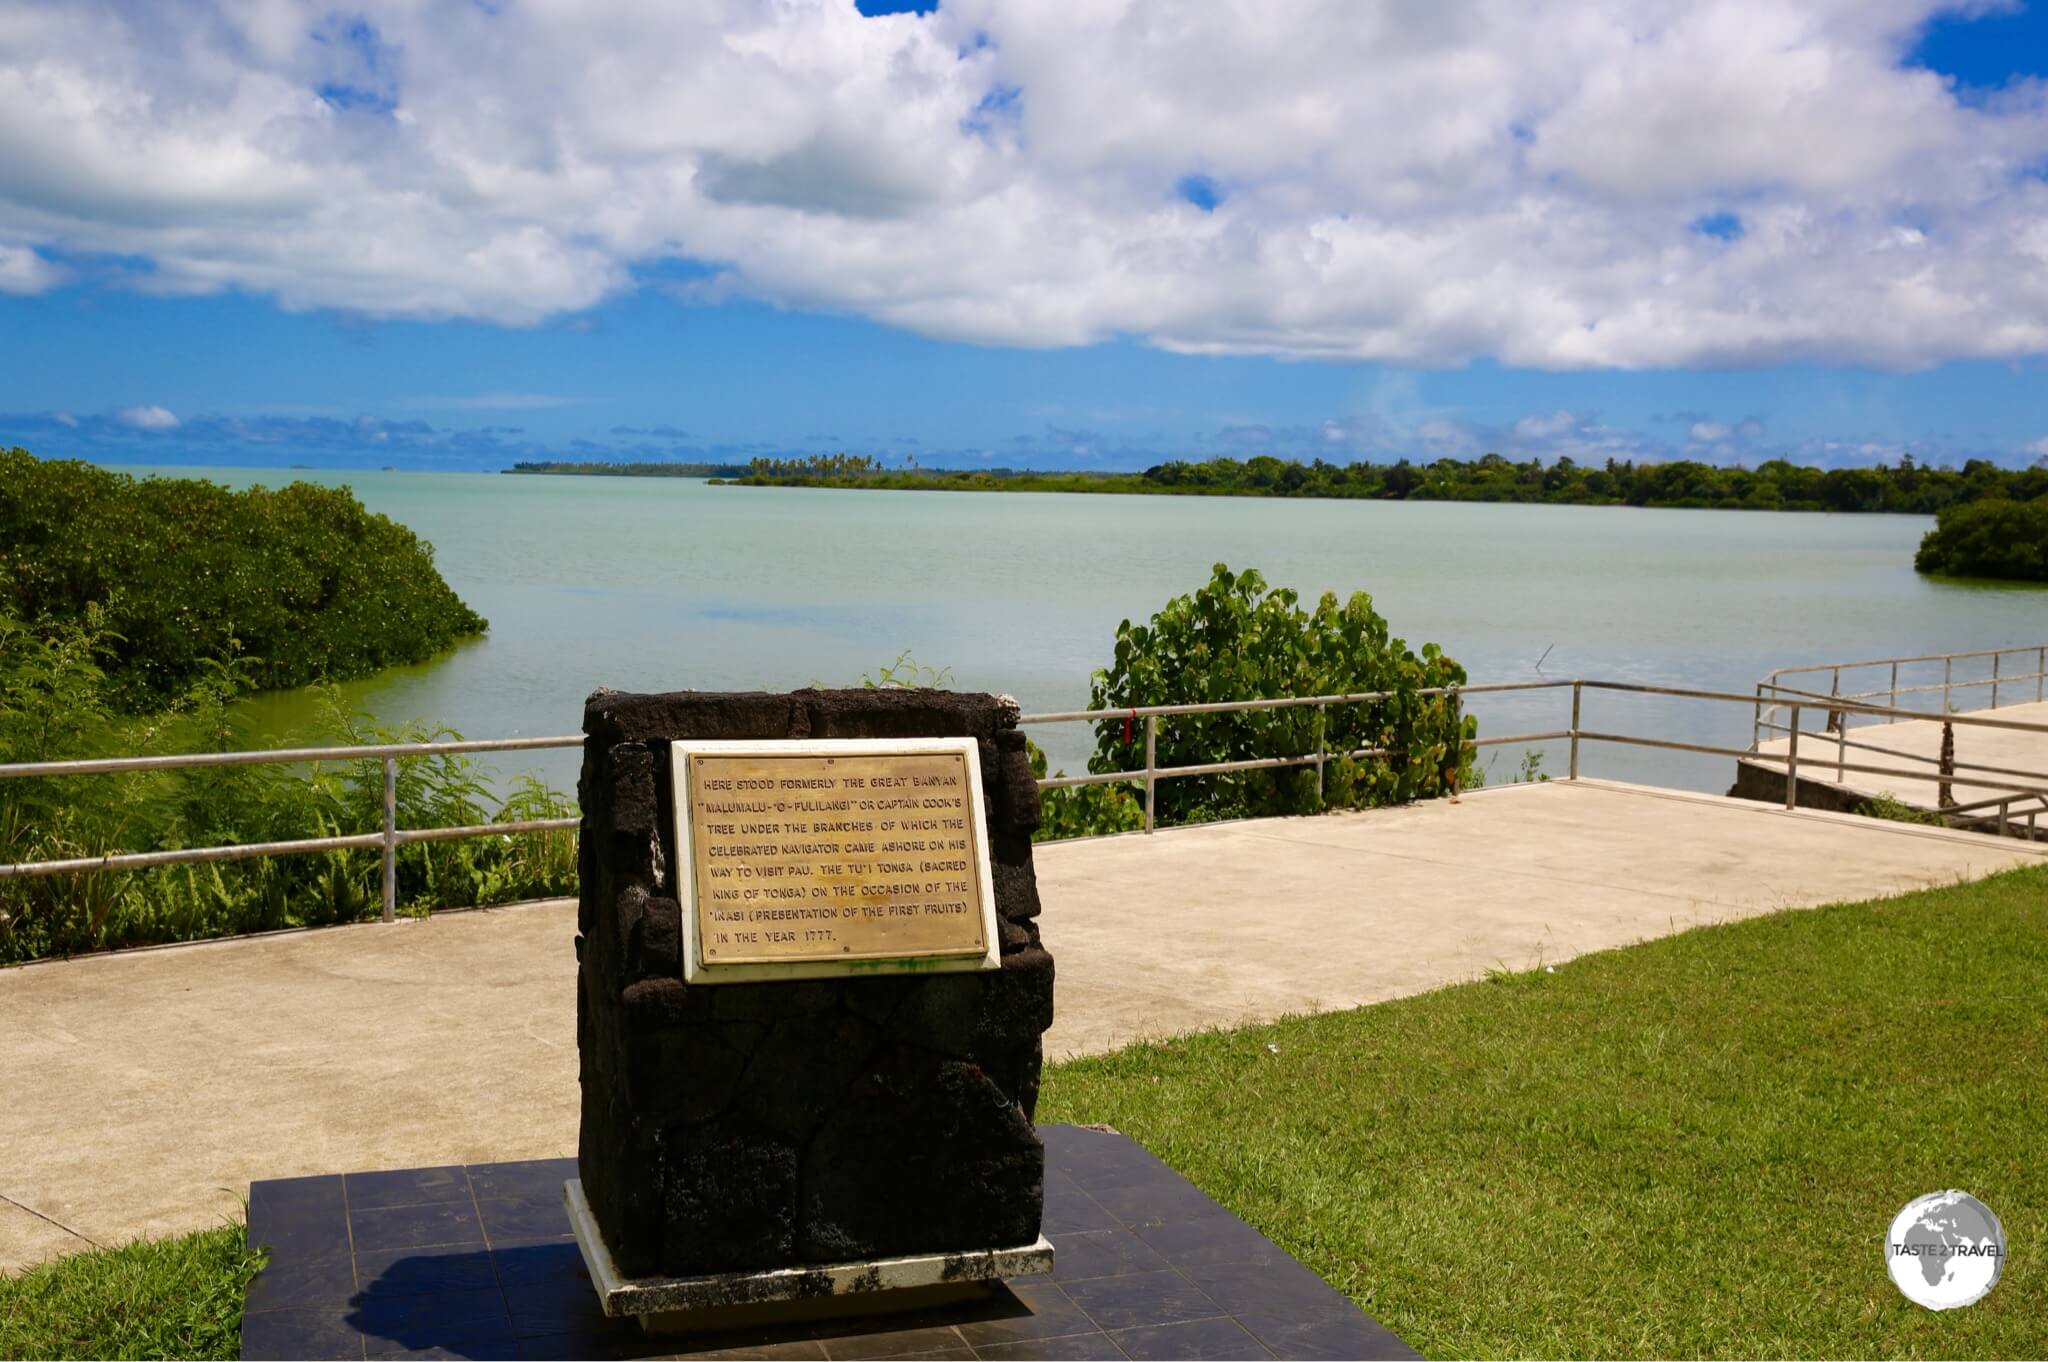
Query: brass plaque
point(847, 857)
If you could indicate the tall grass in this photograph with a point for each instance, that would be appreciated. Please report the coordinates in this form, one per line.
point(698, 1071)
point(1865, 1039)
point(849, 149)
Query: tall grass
point(56, 703)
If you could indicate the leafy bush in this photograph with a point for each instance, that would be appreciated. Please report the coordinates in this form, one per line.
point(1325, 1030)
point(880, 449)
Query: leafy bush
point(1236, 640)
point(56, 702)
point(1995, 538)
point(303, 580)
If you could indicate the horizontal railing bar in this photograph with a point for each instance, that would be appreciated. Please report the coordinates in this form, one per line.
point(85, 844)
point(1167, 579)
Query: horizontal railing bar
point(1822, 735)
point(1555, 735)
point(1996, 800)
point(1278, 702)
point(407, 838)
point(1225, 767)
point(1981, 683)
point(1846, 707)
point(140, 860)
point(1777, 759)
point(1922, 657)
point(279, 756)
point(1630, 740)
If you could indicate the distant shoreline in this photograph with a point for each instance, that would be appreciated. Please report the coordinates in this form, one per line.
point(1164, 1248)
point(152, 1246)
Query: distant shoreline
point(1904, 489)
point(552, 468)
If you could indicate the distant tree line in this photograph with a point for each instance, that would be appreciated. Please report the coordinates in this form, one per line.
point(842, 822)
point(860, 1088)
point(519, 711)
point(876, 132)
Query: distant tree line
point(1908, 487)
point(644, 469)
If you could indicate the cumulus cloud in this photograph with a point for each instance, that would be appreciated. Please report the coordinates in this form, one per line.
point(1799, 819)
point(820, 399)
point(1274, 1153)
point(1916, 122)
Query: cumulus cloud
point(23, 271)
point(147, 418)
point(1420, 184)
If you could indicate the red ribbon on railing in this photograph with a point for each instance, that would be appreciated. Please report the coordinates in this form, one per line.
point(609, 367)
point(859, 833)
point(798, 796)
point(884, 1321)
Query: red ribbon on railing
point(1128, 718)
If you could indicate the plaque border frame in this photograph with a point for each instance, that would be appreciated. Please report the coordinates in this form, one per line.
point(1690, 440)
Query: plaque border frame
point(697, 971)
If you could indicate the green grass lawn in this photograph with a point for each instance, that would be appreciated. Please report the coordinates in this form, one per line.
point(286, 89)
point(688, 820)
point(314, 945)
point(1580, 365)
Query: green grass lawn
point(1688, 1147)
point(161, 1298)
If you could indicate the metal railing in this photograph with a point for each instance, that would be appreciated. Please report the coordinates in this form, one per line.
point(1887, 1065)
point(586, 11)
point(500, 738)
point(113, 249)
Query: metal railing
point(2031, 788)
point(2001, 683)
point(2034, 790)
point(389, 838)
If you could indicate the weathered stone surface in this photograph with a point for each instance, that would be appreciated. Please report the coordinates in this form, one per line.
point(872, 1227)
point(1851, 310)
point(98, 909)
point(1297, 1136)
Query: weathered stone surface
point(681, 1075)
point(801, 1067)
point(980, 1014)
point(962, 1164)
point(730, 1198)
point(632, 789)
point(654, 948)
point(733, 1127)
point(1016, 890)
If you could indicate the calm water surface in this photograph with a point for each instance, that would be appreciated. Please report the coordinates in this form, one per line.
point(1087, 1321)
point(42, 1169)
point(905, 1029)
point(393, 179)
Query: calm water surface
point(655, 584)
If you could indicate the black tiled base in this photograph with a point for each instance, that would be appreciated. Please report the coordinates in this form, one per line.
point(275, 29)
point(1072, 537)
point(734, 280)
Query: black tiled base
point(478, 1262)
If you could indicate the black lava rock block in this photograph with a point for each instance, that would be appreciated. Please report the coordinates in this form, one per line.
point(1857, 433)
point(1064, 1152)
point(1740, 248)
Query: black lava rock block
point(742, 1126)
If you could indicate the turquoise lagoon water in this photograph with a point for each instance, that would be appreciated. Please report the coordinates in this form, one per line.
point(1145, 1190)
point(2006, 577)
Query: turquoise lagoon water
point(640, 583)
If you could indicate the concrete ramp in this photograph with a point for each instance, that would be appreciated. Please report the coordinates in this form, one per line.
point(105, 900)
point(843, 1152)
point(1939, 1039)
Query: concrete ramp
point(146, 1090)
point(2017, 756)
point(1240, 922)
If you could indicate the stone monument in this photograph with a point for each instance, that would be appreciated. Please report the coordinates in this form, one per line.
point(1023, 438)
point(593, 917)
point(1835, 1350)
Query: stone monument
point(810, 997)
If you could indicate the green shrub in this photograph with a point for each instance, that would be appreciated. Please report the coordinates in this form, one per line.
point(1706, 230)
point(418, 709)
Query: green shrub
point(1236, 640)
point(1995, 538)
point(1893, 809)
point(302, 580)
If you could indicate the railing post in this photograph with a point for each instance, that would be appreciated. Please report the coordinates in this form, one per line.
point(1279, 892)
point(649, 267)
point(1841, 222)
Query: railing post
point(2040, 674)
point(1322, 751)
point(1792, 762)
point(1948, 671)
point(2003, 805)
point(1577, 690)
point(1996, 658)
point(390, 839)
point(1151, 765)
point(1893, 703)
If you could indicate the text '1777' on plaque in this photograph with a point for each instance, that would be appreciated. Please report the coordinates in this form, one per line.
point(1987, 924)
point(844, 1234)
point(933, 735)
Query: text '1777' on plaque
point(812, 858)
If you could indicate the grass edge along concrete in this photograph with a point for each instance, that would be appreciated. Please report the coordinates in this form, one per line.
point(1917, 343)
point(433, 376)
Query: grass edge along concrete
point(1690, 1146)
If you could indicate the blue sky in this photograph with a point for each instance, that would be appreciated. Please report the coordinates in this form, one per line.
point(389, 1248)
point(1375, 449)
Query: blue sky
point(851, 282)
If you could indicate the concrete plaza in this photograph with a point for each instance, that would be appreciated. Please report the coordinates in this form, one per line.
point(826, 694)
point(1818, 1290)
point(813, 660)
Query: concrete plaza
point(146, 1090)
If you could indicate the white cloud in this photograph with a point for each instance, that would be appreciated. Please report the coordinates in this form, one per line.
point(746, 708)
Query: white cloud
point(1544, 427)
point(1424, 184)
point(23, 271)
point(147, 418)
point(1709, 431)
point(2039, 447)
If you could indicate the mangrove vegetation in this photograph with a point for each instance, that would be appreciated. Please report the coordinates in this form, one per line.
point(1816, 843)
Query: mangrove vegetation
point(1993, 538)
point(1908, 487)
point(302, 581)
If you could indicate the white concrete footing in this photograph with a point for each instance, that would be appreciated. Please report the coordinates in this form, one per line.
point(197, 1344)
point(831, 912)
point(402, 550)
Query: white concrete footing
point(725, 1300)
